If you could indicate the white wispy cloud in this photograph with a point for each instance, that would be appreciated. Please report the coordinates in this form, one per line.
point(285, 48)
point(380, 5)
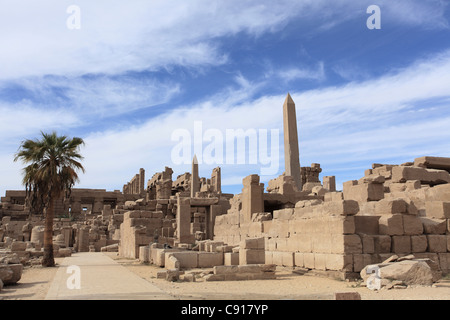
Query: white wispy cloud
point(367, 121)
point(116, 37)
point(295, 73)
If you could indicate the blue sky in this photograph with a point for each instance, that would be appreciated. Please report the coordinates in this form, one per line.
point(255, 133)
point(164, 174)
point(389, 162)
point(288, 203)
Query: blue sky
point(137, 71)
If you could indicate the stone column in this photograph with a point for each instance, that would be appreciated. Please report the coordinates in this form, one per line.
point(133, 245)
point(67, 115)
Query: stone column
point(195, 181)
point(252, 196)
point(291, 153)
point(184, 220)
point(216, 180)
point(141, 181)
point(214, 211)
point(67, 234)
point(83, 239)
point(329, 183)
point(98, 206)
point(75, 206)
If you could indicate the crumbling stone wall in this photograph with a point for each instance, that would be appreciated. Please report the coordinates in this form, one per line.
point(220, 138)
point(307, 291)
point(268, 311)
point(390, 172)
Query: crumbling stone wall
point(393, 209)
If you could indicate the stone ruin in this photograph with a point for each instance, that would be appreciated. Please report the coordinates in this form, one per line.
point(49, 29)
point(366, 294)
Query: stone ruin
point(297, 221)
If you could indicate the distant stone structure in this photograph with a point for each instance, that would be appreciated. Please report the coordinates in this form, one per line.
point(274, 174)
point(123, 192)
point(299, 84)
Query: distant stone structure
point(296, 221)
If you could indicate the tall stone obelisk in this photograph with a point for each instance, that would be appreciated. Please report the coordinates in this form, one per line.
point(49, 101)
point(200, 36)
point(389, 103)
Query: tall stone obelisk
point(195, 180)
point(291, 153)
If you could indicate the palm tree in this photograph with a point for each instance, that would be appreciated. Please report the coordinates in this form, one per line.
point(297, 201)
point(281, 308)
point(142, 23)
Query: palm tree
point(51, 173)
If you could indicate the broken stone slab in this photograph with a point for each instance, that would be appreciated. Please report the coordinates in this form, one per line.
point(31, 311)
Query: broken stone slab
point(18, 246)
point(172, 275)
point(115, 248)
point(433, 163)
point(11, 278)
point(242, 272)
point(434, 226)
point(347, 296)
point(426, 176)
point(10, 258)
point(64, 252)
point(408, 272)
point(390, 206)
point(391, 259)
point(363, 192)
point(408, 257)
point(5, 273)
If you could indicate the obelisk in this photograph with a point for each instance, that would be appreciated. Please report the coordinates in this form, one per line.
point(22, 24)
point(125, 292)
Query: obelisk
point(195, 180)
point(291, 153)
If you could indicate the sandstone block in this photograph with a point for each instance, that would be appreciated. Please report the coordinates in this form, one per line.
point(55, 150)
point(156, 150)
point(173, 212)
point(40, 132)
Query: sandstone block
point(401, 244)
point(320, 261)
point(249, 256)
point(15, 276)
point(433, 162)
point(287, 259)
point(391, 224)
point(324, 243)
point(342, 225)
point(210, 259)
point(131, 214)
point(410, 272)
point(341, 207)
point(172, 275)
point(382, 243)
point(308, 260)
point(390, 206)
point(347, 296)
point(364, 192)
point(412, 225)
point(18, 246)
point(283, 214)
point(360, 261)
point(444, 262)
point(339, 262)
point(438, 193)
point(188, 259)
point(231, 258)
point(298, 259)
point(5, 273)
point(253, 243)
point(434, 226)
point(438, 209)
point(419, 243)
point(303, 243)
point(333, 196)
point(347, 243)
point(425, 176)
point(366, 224)
point(225, 269)
point(437, 243)
point(368, 243)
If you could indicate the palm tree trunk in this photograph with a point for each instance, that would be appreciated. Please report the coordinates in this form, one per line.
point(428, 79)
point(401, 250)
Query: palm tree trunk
point(48, 259)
